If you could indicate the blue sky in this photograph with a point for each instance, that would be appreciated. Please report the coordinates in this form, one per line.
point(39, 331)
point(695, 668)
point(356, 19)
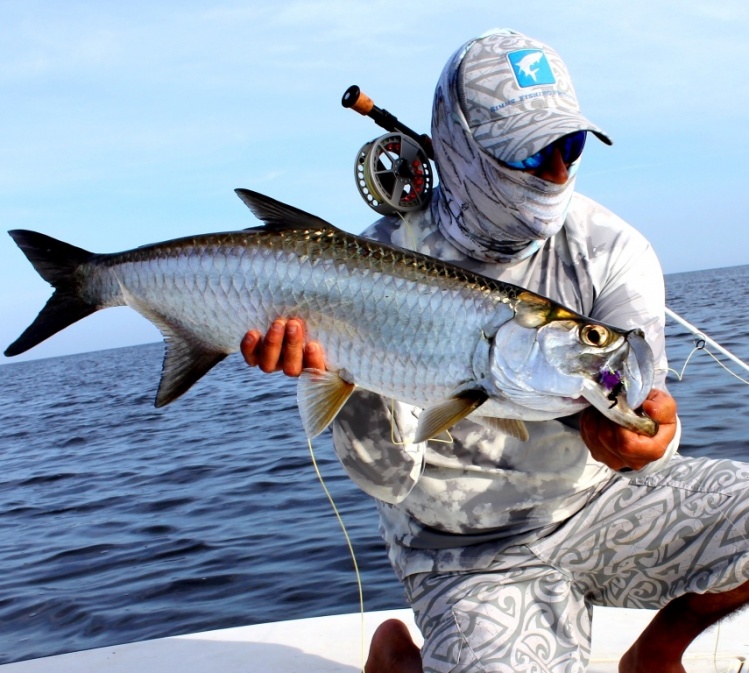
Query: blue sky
point(128, 123)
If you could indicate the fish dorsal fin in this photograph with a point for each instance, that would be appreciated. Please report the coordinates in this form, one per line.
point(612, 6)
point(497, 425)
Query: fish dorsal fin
point(444, 415)
point(185, 360)
point(509, 426)
point(320, 396)
point(278, 215)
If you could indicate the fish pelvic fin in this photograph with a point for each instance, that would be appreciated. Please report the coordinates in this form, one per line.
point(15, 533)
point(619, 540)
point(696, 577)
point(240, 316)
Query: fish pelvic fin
point(278, 215)
point(320, 396)
point(57, 263)
point(440, 417)
point(509, 426)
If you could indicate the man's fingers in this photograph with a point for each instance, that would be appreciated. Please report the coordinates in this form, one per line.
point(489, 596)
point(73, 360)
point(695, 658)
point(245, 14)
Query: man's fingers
point(597, 434)
point(283, 348)
point(270, 350)
point(661, 407)
point(618, 447)
point(314, 357)
point(293, 349)
point(249, 345)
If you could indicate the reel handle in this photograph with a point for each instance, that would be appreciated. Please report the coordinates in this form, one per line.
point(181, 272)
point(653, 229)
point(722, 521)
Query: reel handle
point(356, 99)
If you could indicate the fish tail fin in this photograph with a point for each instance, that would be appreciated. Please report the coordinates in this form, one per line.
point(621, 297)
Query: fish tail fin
point(57, 263)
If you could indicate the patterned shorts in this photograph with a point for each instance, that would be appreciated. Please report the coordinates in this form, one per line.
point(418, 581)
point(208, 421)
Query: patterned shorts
point(639, 544)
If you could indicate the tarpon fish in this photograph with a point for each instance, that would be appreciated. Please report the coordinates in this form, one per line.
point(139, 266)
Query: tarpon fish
point(525, 64)
point(394, 322)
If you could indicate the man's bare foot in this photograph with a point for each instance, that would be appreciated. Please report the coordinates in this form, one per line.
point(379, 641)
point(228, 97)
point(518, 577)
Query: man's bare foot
point(392, 650)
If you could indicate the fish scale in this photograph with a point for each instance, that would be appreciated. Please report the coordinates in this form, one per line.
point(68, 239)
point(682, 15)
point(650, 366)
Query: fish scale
point(391, 321)
point(249, 287)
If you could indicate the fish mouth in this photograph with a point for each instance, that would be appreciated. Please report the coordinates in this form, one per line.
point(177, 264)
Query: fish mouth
point(623, 384)
point(638, 369)
point(617, 408)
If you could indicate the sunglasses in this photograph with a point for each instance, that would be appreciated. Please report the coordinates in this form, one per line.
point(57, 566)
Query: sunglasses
point(570, 147)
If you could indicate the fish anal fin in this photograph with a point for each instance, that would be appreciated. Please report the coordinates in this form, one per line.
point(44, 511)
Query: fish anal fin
point(184, 364)
point(509, 426)
point(186, 359)
point(440, 417)
point(320, 396)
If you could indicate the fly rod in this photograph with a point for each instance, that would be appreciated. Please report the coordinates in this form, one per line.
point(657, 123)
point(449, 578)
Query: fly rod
point(706, 339)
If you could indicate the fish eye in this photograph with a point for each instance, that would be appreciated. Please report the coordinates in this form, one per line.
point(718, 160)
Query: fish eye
point(595, 335)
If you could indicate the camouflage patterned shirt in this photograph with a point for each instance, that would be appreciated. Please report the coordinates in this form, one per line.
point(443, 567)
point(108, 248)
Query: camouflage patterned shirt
point(452, 506)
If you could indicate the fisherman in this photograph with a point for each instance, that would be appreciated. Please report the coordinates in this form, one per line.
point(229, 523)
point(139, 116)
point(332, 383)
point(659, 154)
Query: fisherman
point(503, 546)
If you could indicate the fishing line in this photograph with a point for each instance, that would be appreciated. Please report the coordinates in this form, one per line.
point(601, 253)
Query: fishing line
point(680, 375)
point(701, 347)
point(732, 373)
point(348, 543)
point(701, 340)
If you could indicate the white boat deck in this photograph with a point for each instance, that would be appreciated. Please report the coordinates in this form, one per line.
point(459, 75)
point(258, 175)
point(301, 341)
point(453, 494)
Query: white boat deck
point(334, 645)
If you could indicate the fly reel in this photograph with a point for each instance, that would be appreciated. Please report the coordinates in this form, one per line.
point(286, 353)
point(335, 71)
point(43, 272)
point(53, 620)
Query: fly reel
point(393, 174)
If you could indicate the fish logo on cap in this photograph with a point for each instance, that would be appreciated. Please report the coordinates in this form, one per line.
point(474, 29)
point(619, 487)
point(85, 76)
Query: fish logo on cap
point(531, 67)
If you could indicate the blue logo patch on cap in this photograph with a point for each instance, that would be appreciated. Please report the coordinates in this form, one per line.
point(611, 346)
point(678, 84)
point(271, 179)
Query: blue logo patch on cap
point(531, 67)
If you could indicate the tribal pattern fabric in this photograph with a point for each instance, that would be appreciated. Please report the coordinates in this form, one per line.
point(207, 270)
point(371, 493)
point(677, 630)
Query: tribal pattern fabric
point(502, 97)
point(491, 212)
point(638, 544)
point(516, 94)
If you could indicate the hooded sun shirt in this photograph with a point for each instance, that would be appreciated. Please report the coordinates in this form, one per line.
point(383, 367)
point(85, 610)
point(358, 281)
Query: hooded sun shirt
point(453, 507)
point(489, 211)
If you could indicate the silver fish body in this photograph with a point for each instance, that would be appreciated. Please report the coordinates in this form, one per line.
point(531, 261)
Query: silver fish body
point(391, 321)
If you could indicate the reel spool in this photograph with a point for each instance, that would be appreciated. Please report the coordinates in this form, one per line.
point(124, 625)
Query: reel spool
point(393, 174)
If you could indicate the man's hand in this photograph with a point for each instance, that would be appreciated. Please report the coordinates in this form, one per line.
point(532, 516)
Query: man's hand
point(620, 448)
point(284, 348)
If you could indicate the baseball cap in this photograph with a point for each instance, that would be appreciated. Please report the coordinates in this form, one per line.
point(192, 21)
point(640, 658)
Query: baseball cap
point(517, 95)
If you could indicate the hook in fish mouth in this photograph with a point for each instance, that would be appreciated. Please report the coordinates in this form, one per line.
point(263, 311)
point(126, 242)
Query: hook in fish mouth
point(609, 395)
point(613, 382)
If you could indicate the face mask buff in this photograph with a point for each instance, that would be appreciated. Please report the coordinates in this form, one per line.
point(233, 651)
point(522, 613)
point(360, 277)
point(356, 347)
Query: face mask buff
point(491, 212)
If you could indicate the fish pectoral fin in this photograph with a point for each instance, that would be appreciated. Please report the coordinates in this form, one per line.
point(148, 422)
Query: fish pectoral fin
point(444, 415)
point(509, 426)
point(320, 396)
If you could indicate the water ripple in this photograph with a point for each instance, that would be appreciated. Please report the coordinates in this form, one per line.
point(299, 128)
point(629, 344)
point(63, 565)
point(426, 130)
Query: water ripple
point(121, 522)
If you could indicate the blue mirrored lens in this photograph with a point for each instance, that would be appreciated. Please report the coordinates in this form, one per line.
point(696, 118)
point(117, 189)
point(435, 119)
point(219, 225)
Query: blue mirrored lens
point(571, 147)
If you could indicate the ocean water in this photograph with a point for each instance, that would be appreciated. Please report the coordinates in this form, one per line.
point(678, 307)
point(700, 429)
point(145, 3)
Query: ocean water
point(120, 522)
